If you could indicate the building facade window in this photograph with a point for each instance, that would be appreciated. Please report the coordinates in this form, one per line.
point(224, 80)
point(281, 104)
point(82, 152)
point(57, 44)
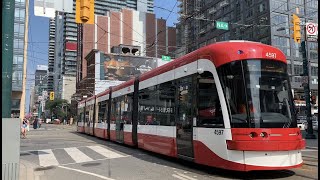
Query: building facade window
point(314, 71)
point(282, 43)
point(280, 20)
point(298, 70)
point(278, 6)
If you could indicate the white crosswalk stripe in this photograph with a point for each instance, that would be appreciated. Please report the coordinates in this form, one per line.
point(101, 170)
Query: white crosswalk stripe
point(48, 158)
point(105, 152)
point(77, 155)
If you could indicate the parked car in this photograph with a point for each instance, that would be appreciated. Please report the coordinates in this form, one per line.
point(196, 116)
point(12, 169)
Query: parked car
point(314, 125)
point(56, 121)
point(301, 125)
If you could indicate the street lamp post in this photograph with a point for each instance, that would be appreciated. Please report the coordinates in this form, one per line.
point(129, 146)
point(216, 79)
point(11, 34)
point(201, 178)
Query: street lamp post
point(66, 111)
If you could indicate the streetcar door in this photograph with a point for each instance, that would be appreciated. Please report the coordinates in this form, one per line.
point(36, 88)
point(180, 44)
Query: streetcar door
point(185, 112)
point(119, 120)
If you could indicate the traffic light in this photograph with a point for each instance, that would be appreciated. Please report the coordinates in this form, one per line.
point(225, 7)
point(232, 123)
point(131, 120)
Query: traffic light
point(85, 11)
point(296, 28)
point(51, 96)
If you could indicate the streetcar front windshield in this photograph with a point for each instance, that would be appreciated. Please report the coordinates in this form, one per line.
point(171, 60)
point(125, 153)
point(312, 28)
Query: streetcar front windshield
point(258, 94)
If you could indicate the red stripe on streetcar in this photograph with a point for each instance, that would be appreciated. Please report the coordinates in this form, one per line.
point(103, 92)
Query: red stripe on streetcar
point(203, 155)
point(265, 145)
point(260, 139)
point(159, 144)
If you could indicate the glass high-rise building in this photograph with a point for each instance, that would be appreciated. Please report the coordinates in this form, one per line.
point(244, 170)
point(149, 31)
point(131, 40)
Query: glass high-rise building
point(18, 59)
point(265, 21)
point(66, 57)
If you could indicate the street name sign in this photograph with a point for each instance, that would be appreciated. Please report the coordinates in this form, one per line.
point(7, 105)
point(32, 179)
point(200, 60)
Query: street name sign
point(166, 58)
point(222, 25)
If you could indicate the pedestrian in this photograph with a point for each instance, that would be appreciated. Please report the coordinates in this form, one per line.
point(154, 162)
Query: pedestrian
point(39, 123)
point(23, 128)
point(35, 123)
point(28, 125)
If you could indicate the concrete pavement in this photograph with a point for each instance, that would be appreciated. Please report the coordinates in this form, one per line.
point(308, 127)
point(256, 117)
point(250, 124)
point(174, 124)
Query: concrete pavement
point(29, 170)
point(79, 156)
point(311, 143)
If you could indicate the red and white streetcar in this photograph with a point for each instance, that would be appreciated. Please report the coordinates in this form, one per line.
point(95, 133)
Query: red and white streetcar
point(227, 105)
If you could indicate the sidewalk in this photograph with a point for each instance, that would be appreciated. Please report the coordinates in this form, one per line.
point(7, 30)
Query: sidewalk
point(311, 143)
point(27, 171)
point(54, 126)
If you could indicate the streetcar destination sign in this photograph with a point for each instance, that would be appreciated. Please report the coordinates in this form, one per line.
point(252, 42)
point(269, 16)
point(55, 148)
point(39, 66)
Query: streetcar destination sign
point(222, 25)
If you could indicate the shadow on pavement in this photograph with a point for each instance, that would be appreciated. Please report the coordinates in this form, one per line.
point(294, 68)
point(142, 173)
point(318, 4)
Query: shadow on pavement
point(186, 165)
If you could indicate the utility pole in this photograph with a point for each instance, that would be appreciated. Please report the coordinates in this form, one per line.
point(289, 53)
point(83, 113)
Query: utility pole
point(306, 77)
point(8, 7)
point(25, 60)
point(306, 87)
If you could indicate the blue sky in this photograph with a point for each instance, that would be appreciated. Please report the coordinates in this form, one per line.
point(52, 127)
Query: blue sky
point(38, 37)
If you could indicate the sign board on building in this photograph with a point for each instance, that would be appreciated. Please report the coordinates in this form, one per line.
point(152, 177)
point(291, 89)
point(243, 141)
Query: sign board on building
point(45, 94)
point(122, 68)
point(48, 8)
point(311, 31)
point(222, 25)
point(40, 98)
point(42, 67)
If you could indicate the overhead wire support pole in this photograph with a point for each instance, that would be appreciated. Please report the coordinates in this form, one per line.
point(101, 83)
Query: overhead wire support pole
point(306, 87)
point(8, 7)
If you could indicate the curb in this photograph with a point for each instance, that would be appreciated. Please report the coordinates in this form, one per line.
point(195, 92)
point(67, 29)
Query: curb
point(309, 147)
point(26, 171)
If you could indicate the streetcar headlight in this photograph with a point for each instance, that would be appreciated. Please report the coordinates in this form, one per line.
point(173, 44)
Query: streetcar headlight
point(263, 134)
point(252, 134)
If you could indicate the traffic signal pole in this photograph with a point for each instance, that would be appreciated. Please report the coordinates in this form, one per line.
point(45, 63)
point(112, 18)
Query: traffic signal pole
point(7, 55)
point(306, 83)
point(306, 87)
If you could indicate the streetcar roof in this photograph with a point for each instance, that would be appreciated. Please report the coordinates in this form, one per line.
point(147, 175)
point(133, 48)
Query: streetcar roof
point(221, 53)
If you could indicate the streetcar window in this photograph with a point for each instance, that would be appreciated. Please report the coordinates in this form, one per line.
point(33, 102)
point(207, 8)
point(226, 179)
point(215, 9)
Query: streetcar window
point(113, 112)
point(89, 114)
point(126, 108)
point(147, 106)
point(166, 103)
point(118, 104)
point(209, 108)
point(102, 111)
point(80, 117)
point(258, 94)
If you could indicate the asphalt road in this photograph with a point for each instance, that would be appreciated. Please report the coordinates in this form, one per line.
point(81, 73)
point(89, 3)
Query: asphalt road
point(58, 152)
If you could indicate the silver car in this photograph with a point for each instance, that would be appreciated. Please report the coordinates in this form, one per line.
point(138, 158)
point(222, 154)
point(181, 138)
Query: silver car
point(314, 122)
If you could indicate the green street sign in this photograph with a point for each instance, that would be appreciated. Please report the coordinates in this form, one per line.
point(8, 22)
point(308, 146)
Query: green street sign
point(222, 25)
point(166, 58)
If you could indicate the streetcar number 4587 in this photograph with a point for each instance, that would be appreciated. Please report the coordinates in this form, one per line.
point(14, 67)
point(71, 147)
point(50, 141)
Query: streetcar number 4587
point(218, 132)
point(271, 55)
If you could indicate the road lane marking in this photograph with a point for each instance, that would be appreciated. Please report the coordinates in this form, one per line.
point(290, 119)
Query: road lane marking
point(77, 155)
point(306, 150)
point(47, 158)
point(105, 152)
point(179, 177)
point(185, 176)
point(86, 172)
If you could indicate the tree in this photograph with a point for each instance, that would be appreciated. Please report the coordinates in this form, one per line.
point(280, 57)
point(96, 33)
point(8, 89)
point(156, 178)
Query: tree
point(55, 107)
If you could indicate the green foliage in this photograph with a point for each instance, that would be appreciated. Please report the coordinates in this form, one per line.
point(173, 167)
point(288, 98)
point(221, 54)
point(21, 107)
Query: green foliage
point(55, 107)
